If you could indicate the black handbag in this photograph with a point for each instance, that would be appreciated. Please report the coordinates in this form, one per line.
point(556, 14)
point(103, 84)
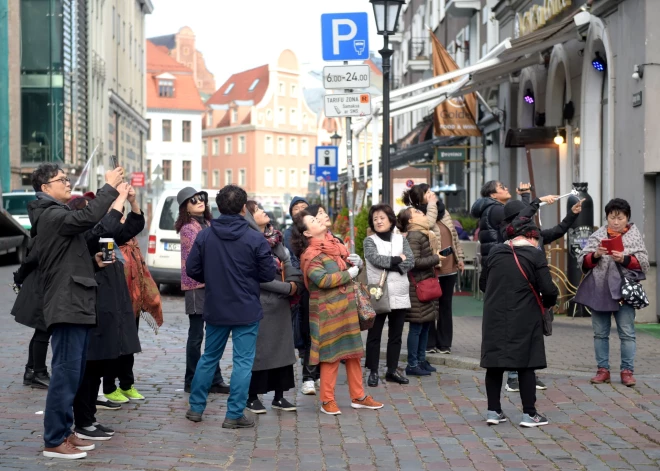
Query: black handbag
point(632, 292)
point(380, 299)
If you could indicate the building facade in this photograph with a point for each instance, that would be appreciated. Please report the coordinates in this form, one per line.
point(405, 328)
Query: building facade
point(181, 47)
point(259, 132)
point(174, 114)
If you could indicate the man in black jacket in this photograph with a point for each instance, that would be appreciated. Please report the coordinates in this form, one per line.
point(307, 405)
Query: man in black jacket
point(69, 294)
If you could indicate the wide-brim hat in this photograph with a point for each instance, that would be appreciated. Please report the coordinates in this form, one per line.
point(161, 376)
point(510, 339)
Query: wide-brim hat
point(187, 193)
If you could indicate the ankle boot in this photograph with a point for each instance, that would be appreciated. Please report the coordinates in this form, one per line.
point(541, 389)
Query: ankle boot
point(41, 380)
point(28, 376)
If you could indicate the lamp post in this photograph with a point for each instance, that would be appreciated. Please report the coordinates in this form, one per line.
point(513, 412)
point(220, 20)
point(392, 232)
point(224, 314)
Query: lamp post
point(335, 139)
point(386, 13)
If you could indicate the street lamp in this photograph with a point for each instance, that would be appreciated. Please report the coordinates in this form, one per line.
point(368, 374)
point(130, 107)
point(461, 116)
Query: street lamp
point(386, 13)
point(335, 139)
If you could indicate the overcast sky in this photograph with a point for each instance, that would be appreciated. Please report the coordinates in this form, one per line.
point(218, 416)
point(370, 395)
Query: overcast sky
point(238, 35)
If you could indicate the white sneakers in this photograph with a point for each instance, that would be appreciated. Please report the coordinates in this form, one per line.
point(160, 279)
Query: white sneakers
point(308, 388)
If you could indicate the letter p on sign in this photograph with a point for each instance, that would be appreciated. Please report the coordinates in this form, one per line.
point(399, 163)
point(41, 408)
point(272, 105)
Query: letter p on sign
point(337, 37)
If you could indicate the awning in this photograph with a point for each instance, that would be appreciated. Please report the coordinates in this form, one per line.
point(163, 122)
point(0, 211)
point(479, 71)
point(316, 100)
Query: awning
point(422, 152)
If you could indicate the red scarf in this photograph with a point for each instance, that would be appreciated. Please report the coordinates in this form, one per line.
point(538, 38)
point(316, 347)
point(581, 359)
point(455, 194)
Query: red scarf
point(329, 246)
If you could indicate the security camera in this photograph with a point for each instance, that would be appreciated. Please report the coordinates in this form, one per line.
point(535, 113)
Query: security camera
point(638, 72)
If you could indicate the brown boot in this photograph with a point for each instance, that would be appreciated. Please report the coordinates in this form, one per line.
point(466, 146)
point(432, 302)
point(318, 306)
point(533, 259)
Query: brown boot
point(627, 378)
point(65, 451)
point(602, 376)
point(82, 445)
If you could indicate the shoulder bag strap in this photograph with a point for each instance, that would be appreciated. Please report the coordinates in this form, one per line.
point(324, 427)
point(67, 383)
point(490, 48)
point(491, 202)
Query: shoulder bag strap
point(538, 299)
point(383, 275)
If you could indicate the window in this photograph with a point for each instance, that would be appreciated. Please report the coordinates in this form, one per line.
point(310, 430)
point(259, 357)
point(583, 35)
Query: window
point(269, 115)
point(241, 145)
point(205, 149)
point(281, 177)
point(281, 115)
point(227, 145)
point(167, 170)
point(268, 146)
point(186, 131)
point(216, 178)
point(281, 89)
point(268, 177)
point(304, 178)
point(234, 115)
point(167, 130)
point(165, 88)
point(205, 179)
point(130, 42)
point(186, 170)
point(254, 85)
point(242, 177)
point(293, 116)
point(293, 177)
point(305, 119)
point(304, 147)
point(294, 91)
point(228, 90)
point(209, 119)
point(293, 146)
point(216, 146)
point(148, 165)
point(148, 130)
point(114, 22)
point(118, 28)
point(281, 146)
point(228, 175)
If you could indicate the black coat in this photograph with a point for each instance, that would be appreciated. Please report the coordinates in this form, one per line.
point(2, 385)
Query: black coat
point(116, 332)
point(425, 261)
point(66, 265)
point(512, 330)
point(28, 307)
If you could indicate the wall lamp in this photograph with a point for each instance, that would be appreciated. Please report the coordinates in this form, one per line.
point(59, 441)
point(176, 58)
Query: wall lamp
point(638, 70)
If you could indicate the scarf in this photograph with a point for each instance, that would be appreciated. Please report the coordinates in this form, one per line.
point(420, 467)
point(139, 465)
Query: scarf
point(329, 246)
point(424, 228)
point(273, 236)
point(145, 296)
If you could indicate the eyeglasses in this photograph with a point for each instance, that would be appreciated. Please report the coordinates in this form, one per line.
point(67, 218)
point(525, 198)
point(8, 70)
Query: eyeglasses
point(63, 180)
point(201, 198)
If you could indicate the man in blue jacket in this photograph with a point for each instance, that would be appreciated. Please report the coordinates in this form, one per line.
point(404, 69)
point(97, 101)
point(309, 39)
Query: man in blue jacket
point(232, 260)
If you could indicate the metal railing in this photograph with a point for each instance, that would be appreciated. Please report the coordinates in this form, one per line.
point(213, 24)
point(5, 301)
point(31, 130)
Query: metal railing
point(417, 49)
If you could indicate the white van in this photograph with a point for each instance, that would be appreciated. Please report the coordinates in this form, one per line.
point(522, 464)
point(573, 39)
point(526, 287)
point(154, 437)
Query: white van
point(164, 248)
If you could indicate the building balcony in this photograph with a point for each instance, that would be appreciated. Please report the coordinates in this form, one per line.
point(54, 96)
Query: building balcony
point(396, 38)
point(418, 55)
point(462, 8)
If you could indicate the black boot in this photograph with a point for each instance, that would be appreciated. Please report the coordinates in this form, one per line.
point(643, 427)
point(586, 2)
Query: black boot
point(41, 380)
point(372, 382)
point(396, 377)
point(27, 376)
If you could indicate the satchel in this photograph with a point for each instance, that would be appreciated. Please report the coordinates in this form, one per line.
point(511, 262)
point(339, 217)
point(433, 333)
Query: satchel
point(546, 319)
point(380, 299)
point(427, 290)
point(632, 292)
point(366, 313)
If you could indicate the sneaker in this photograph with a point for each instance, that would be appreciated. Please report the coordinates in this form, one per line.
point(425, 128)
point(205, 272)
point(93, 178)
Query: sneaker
point(256, 407)
point(535, 420)
point(117, 397)
point(432, 350)
point(317, 383)
point(193, 416)
point(79, 443)
point(283, 404)
point(427, 366)
point(132, 393)
point(308, 388)
point(243, 422)
point(512, 385)
point(366, 403)
point(330, 408)
point(65, 451)
point(494, 418)
point(540, 385)
point(103, 428)
point(105, 404)
point(416, 371)
point(445, 351)
point(41, 380)
point(94, 434)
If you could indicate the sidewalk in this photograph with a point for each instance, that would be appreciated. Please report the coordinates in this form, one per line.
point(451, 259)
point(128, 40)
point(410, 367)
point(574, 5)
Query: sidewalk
point(569, 350)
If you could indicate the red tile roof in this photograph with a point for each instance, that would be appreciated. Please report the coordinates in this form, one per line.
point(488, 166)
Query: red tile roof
point(241, 84)
point(186, 96)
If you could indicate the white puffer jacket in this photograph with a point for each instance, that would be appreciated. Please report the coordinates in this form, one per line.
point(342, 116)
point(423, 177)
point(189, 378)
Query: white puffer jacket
point(378, 255)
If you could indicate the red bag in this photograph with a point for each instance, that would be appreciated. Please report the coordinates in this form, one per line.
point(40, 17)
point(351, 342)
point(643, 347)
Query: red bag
point(427, 290)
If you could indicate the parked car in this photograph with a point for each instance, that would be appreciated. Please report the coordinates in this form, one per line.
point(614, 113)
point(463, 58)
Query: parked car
point(13, 236)
point(16, 205)
point(164, 247)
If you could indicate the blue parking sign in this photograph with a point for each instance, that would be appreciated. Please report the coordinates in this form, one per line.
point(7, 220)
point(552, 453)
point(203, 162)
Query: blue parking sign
point(345, 36)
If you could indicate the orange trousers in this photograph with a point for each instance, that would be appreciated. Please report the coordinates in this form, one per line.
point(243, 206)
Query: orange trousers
point(329, 372)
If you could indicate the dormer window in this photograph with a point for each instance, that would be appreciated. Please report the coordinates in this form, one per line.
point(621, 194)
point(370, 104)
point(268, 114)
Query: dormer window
point(253, 86)
point(234, 115)
point(165, 88)
point(231, 85)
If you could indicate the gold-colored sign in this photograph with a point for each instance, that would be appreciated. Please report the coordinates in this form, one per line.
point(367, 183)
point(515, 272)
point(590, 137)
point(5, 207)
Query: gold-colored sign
point(538, 15)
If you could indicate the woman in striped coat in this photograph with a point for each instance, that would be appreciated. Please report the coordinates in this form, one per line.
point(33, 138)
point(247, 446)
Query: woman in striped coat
point(328, 272)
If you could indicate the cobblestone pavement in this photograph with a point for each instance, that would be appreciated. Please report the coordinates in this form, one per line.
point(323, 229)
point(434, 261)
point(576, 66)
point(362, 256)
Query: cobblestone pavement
point(433, 423)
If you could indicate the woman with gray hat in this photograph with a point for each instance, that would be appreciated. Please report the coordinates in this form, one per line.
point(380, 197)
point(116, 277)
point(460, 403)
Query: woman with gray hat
point(194, 215)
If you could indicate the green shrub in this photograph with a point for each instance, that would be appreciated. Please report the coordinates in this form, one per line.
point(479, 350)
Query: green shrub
point(361, 224)
point(469, 223)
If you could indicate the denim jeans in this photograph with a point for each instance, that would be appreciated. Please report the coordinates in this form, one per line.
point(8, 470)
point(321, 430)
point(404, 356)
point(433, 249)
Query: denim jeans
point(69, 346)
point(244, 340)
point(625, 325)
point(194, 350)
point(418, 336)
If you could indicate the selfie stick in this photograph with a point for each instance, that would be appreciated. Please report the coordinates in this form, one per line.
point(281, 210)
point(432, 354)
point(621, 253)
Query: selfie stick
point(573, 192)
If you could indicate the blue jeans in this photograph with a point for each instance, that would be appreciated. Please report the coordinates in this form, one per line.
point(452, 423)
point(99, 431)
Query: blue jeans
point(625, 325)
point(418, 336)
point(69, 345)
point(244, 339)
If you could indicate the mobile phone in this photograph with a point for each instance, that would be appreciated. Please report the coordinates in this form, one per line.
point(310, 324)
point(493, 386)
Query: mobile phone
point(113, 161)
point(447, 251)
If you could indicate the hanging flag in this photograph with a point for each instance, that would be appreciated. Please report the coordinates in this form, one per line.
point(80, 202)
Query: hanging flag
point(454, 116)
point(83, 179)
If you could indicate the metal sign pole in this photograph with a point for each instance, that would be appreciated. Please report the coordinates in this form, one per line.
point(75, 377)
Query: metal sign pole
point(349, 169)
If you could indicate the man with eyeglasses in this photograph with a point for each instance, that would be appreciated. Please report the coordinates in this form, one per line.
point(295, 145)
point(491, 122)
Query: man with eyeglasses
point(69, 293)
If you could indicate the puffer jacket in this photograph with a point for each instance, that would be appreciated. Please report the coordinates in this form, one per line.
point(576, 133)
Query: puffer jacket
point(490, 213)
point(425, 261)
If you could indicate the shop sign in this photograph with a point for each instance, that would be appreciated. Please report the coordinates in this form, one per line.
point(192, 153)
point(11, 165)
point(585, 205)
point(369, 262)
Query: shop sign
point(451, 155)
point(577, 239)
point(538, 15)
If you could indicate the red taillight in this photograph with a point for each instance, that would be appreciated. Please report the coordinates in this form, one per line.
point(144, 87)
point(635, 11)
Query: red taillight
point(151, 248)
